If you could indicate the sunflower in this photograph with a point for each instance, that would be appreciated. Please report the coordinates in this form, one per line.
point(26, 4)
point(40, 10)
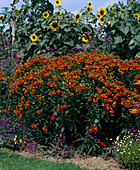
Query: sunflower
point(45, 15)
point(89, 9)
point(111, 8)
point(90, 3)
point(33, 37)
point(54, 25)
point(86, 37)
point(1, 17)
point(57, 2)
point(77, 17)
point(137, 16)
point(101, 12)
point(101, 20)
point(16, 10)
point(95, 19)
point(59, 13)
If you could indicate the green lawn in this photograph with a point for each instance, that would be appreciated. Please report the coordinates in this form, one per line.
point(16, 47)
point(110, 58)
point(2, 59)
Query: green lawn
point(13, 161)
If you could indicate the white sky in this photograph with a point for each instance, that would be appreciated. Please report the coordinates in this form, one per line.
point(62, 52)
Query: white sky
point(73, 6)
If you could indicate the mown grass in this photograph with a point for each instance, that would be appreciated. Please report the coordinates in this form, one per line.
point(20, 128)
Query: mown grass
point(9, 161)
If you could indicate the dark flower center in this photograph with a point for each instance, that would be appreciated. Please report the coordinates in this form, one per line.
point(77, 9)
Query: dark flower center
point(101, 12)
point(77, 16)
point(33, 37)
point(57, 2)
point(55, 24)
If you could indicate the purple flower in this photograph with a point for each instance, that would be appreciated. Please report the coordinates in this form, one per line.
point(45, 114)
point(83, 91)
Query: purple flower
point(86, 127)
point(85, 133)
point(87, 33)
point(7, 38)
point(99, 29)
point(137, 105)
point(108, 39)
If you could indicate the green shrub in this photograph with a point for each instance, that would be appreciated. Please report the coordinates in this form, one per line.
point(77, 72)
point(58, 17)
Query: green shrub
point(128, 149)
point(70, 93)
point(120, 24)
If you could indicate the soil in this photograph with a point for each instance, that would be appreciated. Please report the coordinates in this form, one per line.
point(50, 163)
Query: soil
point(90, 162)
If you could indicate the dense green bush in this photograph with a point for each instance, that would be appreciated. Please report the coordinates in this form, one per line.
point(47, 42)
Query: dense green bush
point(70, 93)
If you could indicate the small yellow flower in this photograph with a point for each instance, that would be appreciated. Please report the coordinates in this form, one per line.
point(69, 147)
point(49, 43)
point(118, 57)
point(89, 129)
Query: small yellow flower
point(101, 20)
point(101, 12)
point(77, 17)
point(20, 140)
point(57, 2)
point(45, 14)
point(16, 10)
point(88, 9)
point(1, 17)
point(89, 3)
point(33, 37)
point(54, 25)
point(67, 11)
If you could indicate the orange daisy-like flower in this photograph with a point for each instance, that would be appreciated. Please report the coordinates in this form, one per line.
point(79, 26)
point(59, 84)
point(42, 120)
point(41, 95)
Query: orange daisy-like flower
point(27, 104)
point(34, 126)
point(52, 117)
point(40, 98)
point(91, 130)
point(64, 94)
point(102, 144)
point(95, 129)
point(39, 111)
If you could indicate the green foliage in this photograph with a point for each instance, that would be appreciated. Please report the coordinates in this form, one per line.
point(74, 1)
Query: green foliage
point(125, 40)
point(128, 152)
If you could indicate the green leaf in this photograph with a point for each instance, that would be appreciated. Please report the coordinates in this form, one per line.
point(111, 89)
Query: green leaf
point(69, 42)
point(15, 2)
point(125, 30)
point(131, 42)
point(118, 39)
point(26, 1)
point(137, 38)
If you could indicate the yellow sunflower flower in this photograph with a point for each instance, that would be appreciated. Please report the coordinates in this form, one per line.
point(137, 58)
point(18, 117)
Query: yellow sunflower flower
point(54, 25)
point(86, 38)
point(57, 2)
point(45, 14)
point(137, 16)
point(1, 17)
point(90, 3)
point(101, 12)
point(111, 8)
point(33, 37)
point(77, 17)
point(88, 9)
point(16, 10)
point(101, 20)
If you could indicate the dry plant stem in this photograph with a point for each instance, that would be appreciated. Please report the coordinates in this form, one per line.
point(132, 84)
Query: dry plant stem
point(14, 29)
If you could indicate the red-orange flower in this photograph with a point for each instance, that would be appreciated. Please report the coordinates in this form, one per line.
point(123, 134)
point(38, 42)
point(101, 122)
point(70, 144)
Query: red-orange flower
point(62, 153)
point(53, 117)
point(38, 112)
point(40, 98)
point(73, 141)
point(95, 129)
point(102, 144)
point(27, 104)
point(34, 126)
point(64, 94)
point(64, 106)
point(86, 87)
point(91, 130)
